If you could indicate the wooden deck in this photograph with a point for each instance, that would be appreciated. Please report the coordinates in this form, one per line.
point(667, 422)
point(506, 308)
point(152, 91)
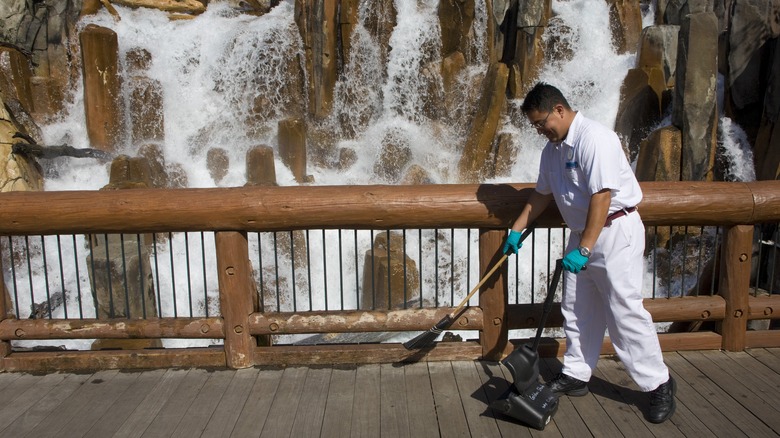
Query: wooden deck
point(719, 394)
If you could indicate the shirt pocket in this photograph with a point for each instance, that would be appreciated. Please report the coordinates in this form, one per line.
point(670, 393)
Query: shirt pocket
point(572, 180)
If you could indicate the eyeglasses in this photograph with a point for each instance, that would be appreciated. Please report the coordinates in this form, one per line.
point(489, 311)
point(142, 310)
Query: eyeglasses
point(540, 124)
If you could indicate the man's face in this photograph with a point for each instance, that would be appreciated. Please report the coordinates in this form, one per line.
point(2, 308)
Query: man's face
point(548, 123)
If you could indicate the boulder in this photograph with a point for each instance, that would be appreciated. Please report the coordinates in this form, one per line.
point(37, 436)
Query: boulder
point(158, 172)
point(218, 163)
point(17, 172)
point(416, 175)
point(390, 277)
point(658, 49)
point(394, 157)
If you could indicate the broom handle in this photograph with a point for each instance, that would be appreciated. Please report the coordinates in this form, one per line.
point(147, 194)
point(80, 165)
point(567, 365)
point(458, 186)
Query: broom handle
point(476, 288)
point(528, 230)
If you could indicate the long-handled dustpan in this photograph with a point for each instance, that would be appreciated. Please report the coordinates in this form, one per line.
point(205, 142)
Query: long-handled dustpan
point(426, 339)
point(527, 399)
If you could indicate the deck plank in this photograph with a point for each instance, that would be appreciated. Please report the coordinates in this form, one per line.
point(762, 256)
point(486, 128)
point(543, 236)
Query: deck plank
point(311, 408)
point(69, 408)
point(474, 400)
point(628, 421)
point(767, 356)
point(747, 404)
point(172, 412)
point(226, 414)
point(366, 405)
point(16, 404)
point(719, 393)
point(254, 414)
point(53, 399)
point(8, 378)
point(695, 393)
point(760, 378)
point(449, 408)
point(145, 412)
point(338, 408)
point(614, 372)
point(119, 411)
point(89, 414)
point(567, 420)
point(394, 419)
point(285, 404)
point(195, 419)
point(419, 396)
point(589, 409)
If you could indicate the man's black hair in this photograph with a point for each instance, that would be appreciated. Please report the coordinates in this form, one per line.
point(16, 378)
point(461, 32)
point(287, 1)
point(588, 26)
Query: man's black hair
point(543, 97)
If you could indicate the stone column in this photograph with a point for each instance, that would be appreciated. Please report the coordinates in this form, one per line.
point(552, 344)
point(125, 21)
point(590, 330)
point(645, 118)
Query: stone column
point(292, 146)
point(695, 98)
point(318, 24)
point(260, 168)
point(102, 92)
point(474, 164)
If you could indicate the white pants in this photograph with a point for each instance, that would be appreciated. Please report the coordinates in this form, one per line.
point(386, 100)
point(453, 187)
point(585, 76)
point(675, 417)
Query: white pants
point(608, 295)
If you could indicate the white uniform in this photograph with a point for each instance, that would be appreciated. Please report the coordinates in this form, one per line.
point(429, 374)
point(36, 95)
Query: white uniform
point(608, 294)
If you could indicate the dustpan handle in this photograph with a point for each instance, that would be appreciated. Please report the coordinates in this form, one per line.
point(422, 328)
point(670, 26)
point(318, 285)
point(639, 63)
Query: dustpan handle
point(548, 301)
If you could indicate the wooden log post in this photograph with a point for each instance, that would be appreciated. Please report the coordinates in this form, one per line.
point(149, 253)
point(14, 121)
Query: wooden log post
point(735, 285)
point(493, 296)
point(236, 300)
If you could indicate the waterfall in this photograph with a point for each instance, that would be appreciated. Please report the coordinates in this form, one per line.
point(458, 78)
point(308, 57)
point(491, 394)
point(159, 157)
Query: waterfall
point(224, 77)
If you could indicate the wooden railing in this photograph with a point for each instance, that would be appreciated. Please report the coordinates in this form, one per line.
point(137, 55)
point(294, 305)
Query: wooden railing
point(233, 212)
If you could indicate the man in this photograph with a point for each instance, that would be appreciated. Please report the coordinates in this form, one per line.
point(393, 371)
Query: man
point(583, 168)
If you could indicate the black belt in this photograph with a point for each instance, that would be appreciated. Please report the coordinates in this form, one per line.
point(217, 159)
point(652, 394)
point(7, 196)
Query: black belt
point(617, 214)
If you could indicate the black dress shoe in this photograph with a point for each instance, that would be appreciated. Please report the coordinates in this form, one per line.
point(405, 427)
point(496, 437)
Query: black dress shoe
point(563, 384)
point(662, 402)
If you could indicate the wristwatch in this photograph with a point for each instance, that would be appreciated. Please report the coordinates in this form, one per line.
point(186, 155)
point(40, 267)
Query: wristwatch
point(584, 251)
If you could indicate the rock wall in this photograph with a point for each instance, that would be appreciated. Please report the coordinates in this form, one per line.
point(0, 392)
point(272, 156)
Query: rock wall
point(679, 62)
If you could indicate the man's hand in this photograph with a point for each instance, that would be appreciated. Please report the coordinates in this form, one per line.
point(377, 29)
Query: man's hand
point(512, 243)
point(574, 261)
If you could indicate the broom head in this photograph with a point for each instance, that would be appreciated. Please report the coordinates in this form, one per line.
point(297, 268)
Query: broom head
point(426, 339)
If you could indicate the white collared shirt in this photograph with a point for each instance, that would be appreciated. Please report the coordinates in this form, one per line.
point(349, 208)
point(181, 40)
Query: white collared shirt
point(589, 160)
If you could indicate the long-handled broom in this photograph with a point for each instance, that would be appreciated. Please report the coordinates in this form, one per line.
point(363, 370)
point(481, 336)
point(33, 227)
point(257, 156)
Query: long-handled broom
point(426, 338)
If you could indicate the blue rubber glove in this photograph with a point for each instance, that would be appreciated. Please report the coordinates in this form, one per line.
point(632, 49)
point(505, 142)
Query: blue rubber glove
point(574, 261)
point(512, 243)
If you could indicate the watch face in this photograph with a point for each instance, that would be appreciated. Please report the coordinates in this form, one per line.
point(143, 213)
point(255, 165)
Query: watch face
point(585, 252)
